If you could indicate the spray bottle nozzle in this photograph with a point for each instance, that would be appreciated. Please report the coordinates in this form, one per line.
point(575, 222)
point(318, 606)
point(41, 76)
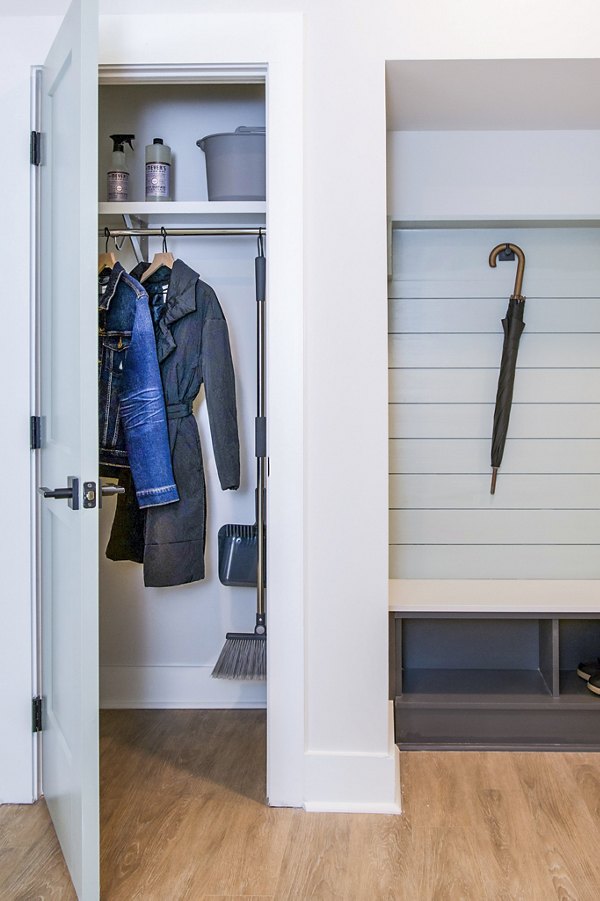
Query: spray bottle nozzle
point(119, 142)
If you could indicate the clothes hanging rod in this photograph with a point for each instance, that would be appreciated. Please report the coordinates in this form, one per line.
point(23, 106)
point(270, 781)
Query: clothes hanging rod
point(180, 232)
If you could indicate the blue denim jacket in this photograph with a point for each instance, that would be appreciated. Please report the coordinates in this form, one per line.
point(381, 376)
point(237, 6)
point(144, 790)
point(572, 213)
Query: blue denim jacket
point(133, 424)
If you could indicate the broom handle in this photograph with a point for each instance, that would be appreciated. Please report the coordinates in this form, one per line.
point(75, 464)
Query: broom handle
point(261, 432)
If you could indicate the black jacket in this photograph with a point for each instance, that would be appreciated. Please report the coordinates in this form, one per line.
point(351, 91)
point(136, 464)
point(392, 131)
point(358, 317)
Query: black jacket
point(193, 349)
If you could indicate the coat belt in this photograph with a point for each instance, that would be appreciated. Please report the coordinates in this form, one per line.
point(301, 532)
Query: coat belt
point(178, 411)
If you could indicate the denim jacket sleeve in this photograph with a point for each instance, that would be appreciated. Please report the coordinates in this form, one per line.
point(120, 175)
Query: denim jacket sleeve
point(143, 417)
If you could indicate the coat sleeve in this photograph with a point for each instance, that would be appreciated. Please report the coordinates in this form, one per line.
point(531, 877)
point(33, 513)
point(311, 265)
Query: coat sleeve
point(219, 387)
point(143, 416)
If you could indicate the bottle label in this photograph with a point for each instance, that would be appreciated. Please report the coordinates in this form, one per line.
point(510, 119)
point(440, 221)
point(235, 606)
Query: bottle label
point(118, 185)
point(157, 180)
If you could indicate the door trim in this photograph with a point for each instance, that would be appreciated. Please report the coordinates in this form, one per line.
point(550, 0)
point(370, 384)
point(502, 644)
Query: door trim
point(281, 72)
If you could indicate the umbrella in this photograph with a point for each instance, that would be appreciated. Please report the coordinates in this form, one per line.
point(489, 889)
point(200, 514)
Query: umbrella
point(513, 326)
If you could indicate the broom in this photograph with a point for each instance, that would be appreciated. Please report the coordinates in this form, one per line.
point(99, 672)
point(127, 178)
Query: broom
point(244, 654)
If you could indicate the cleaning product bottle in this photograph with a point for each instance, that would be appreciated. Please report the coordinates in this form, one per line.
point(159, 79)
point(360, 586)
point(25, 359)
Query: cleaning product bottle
point(118, 174)
point(158, 170)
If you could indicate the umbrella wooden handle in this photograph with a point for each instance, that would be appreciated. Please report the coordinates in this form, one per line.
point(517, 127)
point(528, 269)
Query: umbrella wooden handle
point(517, 293)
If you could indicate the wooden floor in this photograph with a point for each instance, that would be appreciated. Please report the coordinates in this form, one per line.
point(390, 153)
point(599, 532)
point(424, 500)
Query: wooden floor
point(183, 817)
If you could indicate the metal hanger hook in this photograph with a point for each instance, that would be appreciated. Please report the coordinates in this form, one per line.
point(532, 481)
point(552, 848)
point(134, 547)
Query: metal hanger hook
point(501, 248)
point(163, 232)
point(260, 243)
point(108, 235)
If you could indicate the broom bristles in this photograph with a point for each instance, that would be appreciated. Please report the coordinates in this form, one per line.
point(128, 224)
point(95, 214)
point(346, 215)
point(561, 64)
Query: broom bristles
point(242, 658)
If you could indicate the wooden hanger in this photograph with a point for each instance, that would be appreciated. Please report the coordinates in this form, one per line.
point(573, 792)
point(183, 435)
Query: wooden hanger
point(164, 258)
point(106, 260)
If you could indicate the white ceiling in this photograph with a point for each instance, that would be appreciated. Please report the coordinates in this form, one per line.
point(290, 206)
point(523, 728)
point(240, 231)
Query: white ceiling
point(496, 95)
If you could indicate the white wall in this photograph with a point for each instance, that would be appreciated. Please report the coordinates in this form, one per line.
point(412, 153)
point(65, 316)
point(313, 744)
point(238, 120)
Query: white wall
point(347, 45)
point(345, 402)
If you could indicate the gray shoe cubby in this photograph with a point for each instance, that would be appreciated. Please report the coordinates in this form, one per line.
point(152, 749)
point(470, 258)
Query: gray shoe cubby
point(493, 681)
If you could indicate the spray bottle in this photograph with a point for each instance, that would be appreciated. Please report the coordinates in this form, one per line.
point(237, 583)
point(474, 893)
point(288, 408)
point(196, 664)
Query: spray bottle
point(158, 170)
point(118, 174)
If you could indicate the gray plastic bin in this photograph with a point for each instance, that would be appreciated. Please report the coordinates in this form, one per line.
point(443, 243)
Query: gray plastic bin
point(235, 164)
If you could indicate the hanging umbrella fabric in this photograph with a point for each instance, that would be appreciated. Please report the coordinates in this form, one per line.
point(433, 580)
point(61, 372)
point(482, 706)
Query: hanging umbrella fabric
point(513, 326)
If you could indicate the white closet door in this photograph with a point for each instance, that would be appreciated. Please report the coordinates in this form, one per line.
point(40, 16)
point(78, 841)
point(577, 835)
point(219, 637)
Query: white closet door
point(69, 410)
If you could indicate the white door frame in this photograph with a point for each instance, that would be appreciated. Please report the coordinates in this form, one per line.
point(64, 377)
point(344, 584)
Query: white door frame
point(276, 59)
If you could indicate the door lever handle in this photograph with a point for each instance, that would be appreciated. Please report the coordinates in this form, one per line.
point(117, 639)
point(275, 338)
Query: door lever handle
point(56, 492)
point(109, 490)
point(70, 494)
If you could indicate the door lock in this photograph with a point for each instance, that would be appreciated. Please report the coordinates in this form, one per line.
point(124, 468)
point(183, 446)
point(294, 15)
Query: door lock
point(71, 493)
point(89, 493)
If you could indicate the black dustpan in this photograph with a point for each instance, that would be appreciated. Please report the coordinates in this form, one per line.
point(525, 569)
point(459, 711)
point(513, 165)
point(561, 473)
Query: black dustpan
point(238, 554)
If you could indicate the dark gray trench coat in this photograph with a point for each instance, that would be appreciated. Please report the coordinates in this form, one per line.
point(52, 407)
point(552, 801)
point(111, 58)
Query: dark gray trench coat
point(192, 342)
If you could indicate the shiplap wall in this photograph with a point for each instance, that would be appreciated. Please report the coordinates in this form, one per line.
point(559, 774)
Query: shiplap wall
point(445, 345)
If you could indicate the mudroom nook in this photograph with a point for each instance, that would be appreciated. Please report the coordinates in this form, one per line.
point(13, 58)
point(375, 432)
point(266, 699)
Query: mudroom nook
point(493, 597)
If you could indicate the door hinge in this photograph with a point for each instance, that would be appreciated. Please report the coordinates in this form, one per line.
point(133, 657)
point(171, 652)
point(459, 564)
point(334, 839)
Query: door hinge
point(35, 148)
point(35, 432)
point(36, 708)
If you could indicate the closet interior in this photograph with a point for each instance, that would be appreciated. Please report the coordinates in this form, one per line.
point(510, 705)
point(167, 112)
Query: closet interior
point(494, 599)
point(158, 645)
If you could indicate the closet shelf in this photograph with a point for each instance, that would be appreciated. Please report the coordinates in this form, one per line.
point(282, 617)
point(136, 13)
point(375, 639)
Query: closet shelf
point(204, 212)
point(475, 687)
